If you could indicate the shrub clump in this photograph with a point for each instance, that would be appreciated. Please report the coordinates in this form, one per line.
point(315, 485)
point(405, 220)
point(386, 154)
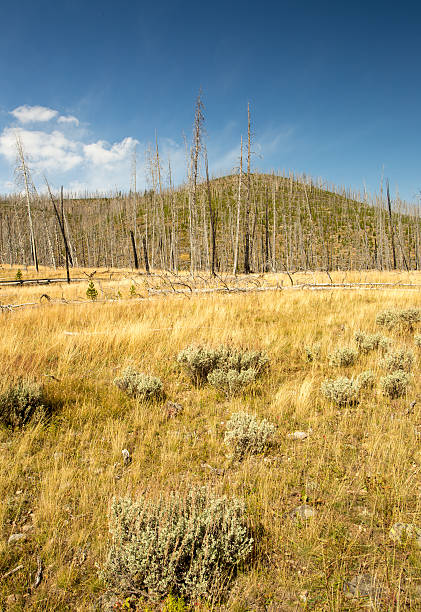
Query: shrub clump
point(200, 361)
point(367, 342)
point(385, 344)
point(313, 352)
point(400, 320)
point(187, 545)
point(139, 385)
point(341, 391)
point(366, 380)
point(395, 385)
point(343, 357)
point(245, 434)
point(398, 360)
point(231, 382)
point(22, 402)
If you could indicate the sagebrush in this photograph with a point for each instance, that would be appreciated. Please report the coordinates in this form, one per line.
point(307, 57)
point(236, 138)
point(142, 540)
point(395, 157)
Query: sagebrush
point(341, 391)
point(402, 320)
point(231, 382)
point(245, 434)
point(398, 360)
point(200, 361)
point(343, 357)
point(395, 385)
point(367, 342)
point(188, 545)
point(366, 380)
point(313, 351)
point(21, 403)
point(139, 385)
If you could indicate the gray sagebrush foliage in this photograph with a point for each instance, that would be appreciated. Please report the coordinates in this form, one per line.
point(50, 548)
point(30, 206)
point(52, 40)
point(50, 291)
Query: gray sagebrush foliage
point(366, 380)
point(398, 360)
point(343, 357)
point(139, 385)
point(231, 382)
point(230, 358)
point(395, 385)
point(313, 351)
point(417, 340)
point(22, 402)
point(399, 320)
point(200, 361)
point(341, 391)
point(187, 545)
point(385, 344)
point(246, 435)
point(367, 342)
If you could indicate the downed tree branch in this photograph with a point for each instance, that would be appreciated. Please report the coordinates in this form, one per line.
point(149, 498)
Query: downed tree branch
point(12, 571)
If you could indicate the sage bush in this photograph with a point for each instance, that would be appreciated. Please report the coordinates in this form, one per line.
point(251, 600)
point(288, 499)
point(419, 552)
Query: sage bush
point(231, 382)
point(399, 320)
point(141, 386)
point(22, 402)
point(189, 545)
point(343, 357)
point(398, 360)
point(367, 342)
point(201, 362)
point(366, 380)
point(246, 435)
point(341, 391)
point(395, 385)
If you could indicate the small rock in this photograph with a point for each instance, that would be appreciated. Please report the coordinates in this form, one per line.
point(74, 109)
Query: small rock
point(303, 512)
point(126, 456)
point(16, 537)
point(363, 585)
point(11, 600)
point(400, 532)
point(298, 435)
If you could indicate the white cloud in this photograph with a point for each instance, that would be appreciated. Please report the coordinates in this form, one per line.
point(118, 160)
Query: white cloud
point(68, 119)
point(75, 162)
point(33, 114)
point(101, 153)
point(47, 152)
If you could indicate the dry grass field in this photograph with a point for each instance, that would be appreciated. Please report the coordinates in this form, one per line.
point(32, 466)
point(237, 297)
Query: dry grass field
point(359, 468)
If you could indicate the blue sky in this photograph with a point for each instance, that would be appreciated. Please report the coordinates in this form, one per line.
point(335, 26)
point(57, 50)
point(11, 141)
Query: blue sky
point(335, 88)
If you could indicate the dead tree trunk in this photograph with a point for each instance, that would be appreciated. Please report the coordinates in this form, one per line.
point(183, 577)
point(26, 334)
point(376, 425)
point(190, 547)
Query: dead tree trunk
point(26, 179)
point(247, 269)
point(136, 261)
point(392, 232)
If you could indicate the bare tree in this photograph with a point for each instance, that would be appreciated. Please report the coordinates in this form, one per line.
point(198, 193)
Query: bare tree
point(237, 224)
point(247, 268)
point(194, 173)
point(23, 172)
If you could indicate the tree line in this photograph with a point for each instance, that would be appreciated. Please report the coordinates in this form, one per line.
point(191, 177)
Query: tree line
point(241, 223)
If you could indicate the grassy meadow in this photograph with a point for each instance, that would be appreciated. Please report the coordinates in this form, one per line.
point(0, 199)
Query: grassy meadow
point(359, 467)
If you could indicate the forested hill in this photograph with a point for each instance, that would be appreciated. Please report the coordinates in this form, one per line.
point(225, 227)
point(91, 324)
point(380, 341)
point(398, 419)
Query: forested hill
point(260, 223)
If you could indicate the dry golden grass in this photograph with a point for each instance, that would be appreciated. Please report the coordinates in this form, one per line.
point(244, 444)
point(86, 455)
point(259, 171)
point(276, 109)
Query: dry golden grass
point(359, 468)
